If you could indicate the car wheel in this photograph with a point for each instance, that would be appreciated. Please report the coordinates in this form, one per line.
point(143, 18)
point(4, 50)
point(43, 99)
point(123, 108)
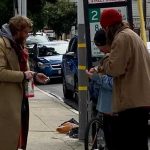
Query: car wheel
point(67, 93)
point(75, 95)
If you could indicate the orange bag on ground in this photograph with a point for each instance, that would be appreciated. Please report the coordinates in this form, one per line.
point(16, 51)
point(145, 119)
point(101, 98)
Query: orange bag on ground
point(66, 127)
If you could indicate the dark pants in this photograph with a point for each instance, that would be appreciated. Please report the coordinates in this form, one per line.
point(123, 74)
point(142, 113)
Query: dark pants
point(24, 123)
point(108, 122)
point(130, 130)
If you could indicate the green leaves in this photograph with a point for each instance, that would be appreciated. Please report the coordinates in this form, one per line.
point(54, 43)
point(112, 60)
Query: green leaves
point(58, 15)
point(6, 11)
point(34, 6)
point(52, 1)
point(61, 16)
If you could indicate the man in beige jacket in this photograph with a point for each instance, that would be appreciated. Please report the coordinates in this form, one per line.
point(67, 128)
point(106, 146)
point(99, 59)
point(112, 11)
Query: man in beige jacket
point(14, 72)
point(129, 64)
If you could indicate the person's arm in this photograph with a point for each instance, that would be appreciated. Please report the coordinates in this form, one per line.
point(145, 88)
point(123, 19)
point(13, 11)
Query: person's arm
point(41, 78)
point(120, 54)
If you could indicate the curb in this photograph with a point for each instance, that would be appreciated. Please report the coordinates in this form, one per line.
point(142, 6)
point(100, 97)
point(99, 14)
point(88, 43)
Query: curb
point(59, 99)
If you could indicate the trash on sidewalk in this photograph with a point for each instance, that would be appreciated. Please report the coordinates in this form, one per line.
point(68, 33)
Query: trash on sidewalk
point(74, 132)
point(72, 120)
point(69, 127)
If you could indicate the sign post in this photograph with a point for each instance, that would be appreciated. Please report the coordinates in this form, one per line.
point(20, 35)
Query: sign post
point(82, 78)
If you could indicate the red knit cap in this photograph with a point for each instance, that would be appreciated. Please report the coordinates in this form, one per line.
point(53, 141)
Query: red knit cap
point(110, 17)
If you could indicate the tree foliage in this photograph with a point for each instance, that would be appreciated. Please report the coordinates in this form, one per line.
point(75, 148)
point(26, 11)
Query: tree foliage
point(60, 16)
point(52, 1)
point(35, 8)
point(6, 11)
point(38, 21)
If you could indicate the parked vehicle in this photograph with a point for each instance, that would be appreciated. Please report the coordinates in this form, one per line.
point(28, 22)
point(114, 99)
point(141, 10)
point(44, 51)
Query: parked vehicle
point(46, 56)
point(39, 38)
point(50, 34)
point(70, 70)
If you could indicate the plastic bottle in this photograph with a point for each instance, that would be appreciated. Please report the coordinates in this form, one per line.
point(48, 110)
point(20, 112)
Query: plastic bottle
point(29, 88)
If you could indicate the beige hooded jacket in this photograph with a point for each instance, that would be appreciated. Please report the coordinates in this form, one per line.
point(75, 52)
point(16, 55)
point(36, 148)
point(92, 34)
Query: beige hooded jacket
point(129, 64)
point(11, 95)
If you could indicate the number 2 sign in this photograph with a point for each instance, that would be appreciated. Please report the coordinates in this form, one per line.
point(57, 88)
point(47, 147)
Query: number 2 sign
point(94, 17)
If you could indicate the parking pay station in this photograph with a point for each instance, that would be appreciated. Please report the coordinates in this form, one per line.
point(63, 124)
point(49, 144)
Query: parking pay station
point(93, 9)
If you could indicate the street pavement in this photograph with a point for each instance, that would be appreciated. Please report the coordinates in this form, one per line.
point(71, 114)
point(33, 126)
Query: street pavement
point(46, 114)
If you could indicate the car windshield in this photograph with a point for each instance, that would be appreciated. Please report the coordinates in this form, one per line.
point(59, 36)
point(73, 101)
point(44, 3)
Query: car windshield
point(55, 48)
point(37, 39)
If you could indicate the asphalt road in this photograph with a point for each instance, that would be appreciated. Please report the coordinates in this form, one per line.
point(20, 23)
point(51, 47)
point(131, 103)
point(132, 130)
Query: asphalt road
point(55, 88)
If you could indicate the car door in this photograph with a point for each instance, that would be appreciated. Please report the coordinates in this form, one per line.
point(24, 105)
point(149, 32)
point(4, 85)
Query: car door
point(70, 63)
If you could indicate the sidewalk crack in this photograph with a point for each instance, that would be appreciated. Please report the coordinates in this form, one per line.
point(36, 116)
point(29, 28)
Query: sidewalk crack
point(41, 120)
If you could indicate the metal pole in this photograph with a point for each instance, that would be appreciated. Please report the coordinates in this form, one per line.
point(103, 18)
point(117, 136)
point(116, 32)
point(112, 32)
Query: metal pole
point(129, 12)
point(145, 15)
point(142, 23)
point(144, 11)
point(82, 77)
point(15, 6)
point(19, 7)
point(24, 8)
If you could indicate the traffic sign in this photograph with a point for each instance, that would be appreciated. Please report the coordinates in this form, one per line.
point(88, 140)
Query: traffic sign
point(94, 17)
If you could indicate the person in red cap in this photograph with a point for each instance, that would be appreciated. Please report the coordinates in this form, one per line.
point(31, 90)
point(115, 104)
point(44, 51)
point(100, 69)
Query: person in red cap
point(110, 17)
point(129, 65)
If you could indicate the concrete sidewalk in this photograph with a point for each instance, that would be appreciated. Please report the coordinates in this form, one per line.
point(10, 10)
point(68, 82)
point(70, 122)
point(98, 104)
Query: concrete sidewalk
point(46, 114)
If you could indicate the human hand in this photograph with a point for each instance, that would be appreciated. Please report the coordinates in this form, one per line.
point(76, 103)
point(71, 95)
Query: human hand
point(28, 75)
point(90, 72)
point(107, 54)
point(100, 69)
point(93, 70)
point(41, 78)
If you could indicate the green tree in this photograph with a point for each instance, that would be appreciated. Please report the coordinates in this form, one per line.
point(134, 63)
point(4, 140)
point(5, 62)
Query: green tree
point(60, 16)
point(35, 8)
point(6, 11)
